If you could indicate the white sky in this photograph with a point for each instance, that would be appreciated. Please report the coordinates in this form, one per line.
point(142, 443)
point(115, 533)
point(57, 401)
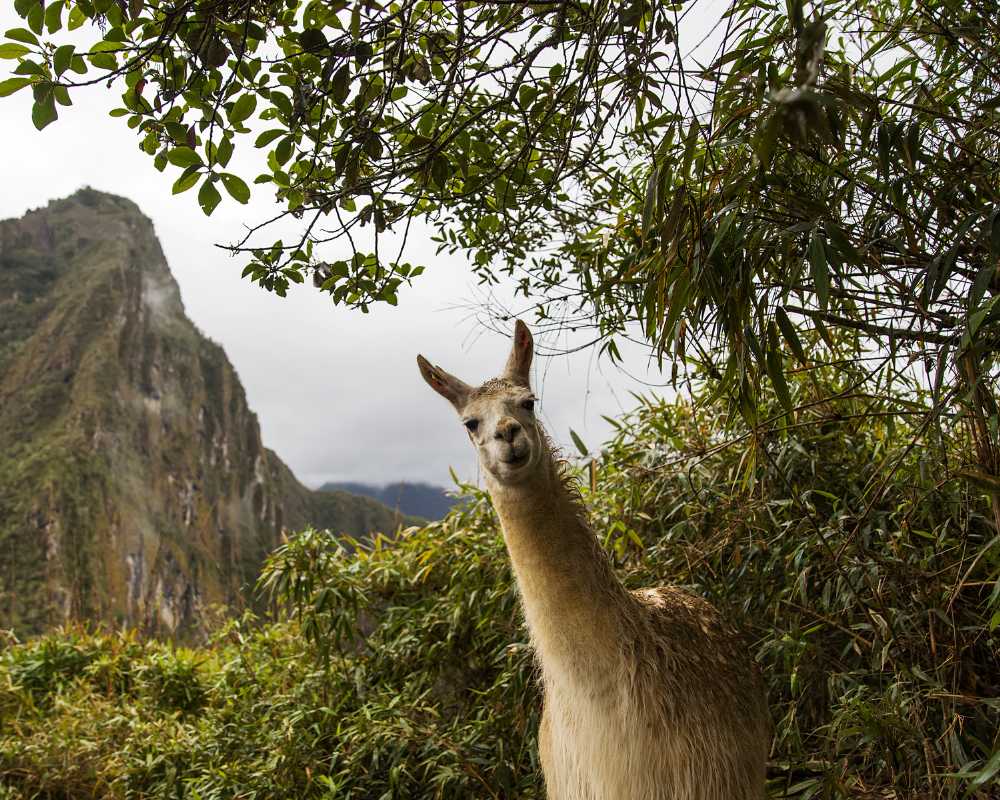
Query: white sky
point(337, 393)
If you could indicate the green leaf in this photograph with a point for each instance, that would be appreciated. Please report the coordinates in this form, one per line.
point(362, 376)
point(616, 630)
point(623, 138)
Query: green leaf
point(356, 22)
point(776, 371)
point(995, 621)
point(104, 61)
point(224, 151)
point(721, 232)
point(11, 85)
point(753, 343)
point(987, 772)
point(183, 157)
point(440, 170)
point(236, 187)
point(373, 146)
point(690, 142)
point(43, 112)
point(340, 85)
point(283, 151)
point(312, 39)
point(216, 54)
point(187, 179)
point(820, 271)
point(22, 35)
point(268, 136)
point(649, 205)
point(76, 18)
point(767, 139)
point(842, 244)
point(578, 442)
point(11, 50)
point(789, 334)
point(208, 196)
point(36, 18)
point(243, 108)
point(28, 67)
point(63, 58)
point(979, 286)
point(53, 15)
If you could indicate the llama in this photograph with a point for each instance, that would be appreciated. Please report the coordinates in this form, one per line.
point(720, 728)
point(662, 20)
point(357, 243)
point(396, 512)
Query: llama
point(649, 694)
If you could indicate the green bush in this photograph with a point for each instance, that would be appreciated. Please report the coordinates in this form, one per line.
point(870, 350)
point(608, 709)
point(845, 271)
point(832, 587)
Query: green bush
point(865, 572)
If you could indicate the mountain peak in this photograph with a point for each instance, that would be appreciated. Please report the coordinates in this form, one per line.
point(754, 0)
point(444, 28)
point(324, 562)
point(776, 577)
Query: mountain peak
point(137, 489)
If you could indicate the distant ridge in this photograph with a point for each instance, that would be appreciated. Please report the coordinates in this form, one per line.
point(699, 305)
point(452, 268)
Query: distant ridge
point(416, 499)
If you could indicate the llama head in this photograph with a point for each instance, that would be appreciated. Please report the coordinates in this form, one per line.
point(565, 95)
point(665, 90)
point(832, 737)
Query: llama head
point(499, 415)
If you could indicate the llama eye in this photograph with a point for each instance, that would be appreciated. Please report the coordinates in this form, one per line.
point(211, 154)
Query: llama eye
point(472, 424)
point(528, 405)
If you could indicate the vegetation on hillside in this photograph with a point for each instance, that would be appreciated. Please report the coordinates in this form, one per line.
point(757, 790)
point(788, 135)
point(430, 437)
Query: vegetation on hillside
point(134, 484)
point(403, 671)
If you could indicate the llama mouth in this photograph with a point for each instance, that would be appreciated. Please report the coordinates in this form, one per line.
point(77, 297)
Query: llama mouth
point(515, 460)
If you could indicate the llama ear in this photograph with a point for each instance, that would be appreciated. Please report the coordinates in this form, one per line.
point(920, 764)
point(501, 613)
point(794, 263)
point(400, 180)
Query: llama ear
point(448, 386)
point(519, 362)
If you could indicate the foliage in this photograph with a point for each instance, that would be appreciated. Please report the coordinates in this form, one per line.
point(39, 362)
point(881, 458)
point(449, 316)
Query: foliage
point(749, 192)
point(716, 178)
point(428, 693)
point(866, 574)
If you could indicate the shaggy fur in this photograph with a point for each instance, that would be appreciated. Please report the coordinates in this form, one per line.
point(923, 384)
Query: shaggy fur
point(649, 695)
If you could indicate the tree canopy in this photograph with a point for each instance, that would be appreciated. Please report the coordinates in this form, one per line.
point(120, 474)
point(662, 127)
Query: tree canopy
point(754, 192)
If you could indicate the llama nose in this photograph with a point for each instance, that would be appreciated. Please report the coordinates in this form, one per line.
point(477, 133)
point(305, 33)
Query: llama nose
point(507, 429)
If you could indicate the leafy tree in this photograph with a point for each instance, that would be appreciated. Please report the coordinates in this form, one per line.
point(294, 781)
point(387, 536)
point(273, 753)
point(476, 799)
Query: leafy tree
point(840, 159)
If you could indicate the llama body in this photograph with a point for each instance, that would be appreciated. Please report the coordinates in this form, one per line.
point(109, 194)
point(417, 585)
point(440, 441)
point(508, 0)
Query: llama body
point(659, 730)
point(649, 695)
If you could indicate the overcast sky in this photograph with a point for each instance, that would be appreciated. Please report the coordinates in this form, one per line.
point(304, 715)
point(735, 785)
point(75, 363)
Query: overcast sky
point(337, 392)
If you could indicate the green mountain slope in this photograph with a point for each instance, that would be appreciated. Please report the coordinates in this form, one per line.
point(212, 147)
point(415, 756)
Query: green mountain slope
point(134, 486)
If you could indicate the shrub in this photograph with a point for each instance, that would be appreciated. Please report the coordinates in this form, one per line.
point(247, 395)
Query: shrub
point(865, 572)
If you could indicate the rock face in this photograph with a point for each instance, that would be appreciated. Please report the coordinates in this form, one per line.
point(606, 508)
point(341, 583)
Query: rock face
point(134, 487)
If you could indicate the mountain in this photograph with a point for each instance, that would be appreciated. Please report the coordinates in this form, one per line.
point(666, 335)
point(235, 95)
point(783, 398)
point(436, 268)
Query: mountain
point(418, 499)
point(134, 486)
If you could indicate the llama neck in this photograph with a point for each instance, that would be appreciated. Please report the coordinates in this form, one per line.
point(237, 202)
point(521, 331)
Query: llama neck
point(572, 600)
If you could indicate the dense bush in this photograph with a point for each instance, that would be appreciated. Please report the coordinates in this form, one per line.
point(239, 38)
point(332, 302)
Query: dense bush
point(406, 676)
point(865, 571)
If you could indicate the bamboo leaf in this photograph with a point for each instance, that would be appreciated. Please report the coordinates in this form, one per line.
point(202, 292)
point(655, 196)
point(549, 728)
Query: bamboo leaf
point(775, 369)
point(789, 334)
point(820, 270)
